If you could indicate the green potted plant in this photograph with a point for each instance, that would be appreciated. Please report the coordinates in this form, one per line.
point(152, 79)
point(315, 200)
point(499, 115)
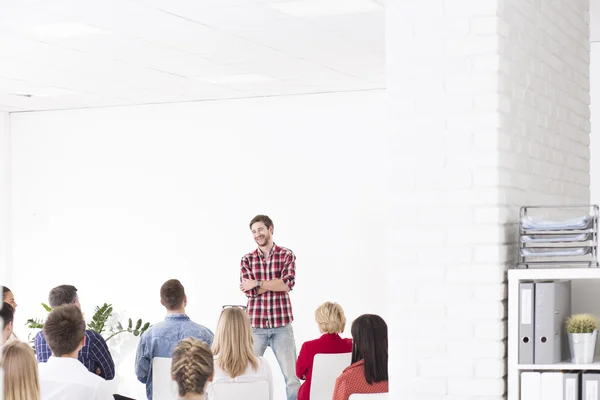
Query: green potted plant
point(582, 330)
point(99, 322)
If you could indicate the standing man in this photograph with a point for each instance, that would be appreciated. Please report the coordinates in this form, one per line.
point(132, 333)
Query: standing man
point(267, 275)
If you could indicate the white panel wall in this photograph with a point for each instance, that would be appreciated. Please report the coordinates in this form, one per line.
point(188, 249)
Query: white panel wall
point(117, 200)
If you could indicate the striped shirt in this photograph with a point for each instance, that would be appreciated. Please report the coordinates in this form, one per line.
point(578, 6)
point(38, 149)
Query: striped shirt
point(270, 309)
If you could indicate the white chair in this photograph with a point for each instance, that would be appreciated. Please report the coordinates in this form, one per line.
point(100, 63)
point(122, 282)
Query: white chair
point(258, 390)
point(163, 387)
point(326, 369)
point(369, 396)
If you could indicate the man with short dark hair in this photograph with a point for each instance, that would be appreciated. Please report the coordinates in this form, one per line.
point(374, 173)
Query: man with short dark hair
point(7, 314)
point(267, 275)
point(63, 377)
point(160, 339)
point(94, 355)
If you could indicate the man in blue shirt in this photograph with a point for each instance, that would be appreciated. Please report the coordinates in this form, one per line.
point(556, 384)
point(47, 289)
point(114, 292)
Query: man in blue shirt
point(160, 339)
point(94, 355)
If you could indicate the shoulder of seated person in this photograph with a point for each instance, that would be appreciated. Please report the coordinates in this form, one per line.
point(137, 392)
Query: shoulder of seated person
point(94, 335)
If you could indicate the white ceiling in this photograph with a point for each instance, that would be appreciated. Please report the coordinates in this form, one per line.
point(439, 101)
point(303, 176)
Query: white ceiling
point(92, 53)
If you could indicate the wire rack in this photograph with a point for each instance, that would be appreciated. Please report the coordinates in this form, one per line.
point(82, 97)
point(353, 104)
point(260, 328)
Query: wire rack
point(557, 236)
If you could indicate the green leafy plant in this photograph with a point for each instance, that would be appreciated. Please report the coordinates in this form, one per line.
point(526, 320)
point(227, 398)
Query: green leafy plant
point(98, 323)
point(582, 323)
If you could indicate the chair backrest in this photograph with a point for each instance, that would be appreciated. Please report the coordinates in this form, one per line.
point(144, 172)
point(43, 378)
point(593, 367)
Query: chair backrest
point(163, 387)
point(259, 390)
point(369, 396)
point(326, 369)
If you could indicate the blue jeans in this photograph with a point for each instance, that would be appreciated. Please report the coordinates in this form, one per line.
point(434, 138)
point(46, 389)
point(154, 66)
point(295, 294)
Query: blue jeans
point(283, 345)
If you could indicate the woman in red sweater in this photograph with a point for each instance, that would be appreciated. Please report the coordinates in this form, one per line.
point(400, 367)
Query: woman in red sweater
point(332, 321)
point(369, 370)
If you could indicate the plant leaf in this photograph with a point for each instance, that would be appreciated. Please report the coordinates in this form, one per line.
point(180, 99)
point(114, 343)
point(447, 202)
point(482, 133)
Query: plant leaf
point(34, 323)
point(46, 307)
point(130, 324)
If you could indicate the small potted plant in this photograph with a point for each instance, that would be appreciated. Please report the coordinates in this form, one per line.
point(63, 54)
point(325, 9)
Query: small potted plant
point(582, 330)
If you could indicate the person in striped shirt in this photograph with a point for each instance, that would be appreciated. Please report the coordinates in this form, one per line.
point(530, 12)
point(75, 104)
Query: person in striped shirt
point(267, 276)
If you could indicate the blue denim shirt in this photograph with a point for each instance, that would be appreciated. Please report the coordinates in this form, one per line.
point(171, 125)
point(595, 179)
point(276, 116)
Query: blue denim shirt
point(161, 339)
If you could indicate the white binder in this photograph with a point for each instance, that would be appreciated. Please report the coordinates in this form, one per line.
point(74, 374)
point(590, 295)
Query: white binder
point(531, 386)
point(552, 385)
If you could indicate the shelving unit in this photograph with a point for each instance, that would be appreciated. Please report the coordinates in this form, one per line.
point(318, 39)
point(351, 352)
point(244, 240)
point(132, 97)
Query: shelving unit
point(516, 276)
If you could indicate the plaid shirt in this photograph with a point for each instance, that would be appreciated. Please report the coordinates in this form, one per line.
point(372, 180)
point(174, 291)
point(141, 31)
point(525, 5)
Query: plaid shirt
point(93, 355)
point(270, 309)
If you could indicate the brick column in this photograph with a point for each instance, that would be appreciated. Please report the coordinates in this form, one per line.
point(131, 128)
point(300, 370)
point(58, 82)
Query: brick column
point(485, 116)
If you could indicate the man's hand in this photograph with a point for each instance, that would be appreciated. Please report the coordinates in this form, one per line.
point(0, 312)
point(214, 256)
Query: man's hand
point(247, 284)
point(98, 371)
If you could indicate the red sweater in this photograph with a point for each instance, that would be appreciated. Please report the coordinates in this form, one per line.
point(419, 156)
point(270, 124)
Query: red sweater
point(326, 344)
point(352, 380)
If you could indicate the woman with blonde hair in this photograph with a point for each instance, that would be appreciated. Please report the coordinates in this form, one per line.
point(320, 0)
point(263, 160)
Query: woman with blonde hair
point(331, 320)
point(233, 347)
point(21, 381)
point(192, 368)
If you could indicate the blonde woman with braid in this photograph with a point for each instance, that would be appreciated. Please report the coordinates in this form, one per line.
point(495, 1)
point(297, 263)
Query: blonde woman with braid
point(192, 368)
point(233, 347)
point(21, 381)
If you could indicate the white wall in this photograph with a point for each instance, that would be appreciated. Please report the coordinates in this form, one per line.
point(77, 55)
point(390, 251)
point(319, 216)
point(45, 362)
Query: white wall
point(4, 199)
point(117, 200)
point(595, 121)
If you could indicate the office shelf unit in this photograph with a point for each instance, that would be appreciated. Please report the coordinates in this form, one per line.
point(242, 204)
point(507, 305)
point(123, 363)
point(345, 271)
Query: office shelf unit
point(515, 277)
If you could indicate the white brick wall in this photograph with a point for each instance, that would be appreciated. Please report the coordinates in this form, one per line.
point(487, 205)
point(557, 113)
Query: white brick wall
point(546, 124)
point(481, 123)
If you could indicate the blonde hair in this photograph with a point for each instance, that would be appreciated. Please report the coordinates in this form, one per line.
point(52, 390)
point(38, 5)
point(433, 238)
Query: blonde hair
point(330, 317)
point(233, 344)
point(191, 366)
point(21, 380)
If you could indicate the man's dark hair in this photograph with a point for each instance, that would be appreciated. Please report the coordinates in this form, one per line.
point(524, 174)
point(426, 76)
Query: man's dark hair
point(64, 329)
point(7, 313)
point(61, 295)
point(5, 290)
point(262, 218)
point(172, 294)
point(370, 343)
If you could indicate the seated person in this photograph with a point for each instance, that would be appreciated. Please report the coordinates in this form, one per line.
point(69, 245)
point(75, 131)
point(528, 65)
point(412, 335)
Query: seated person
point(369, 370)
point(9, 297)
point(192, 368)
point(234, 352)
point(160, 339)
point(20, 372)
point(7, 313)
point(94, 355)
point(63, 376)
point(332, 321)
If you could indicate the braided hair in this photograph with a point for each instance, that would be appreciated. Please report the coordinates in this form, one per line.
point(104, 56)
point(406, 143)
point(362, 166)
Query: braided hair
point(192, 366)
